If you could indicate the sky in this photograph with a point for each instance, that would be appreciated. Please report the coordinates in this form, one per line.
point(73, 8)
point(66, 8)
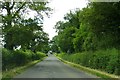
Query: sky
point(60, 8)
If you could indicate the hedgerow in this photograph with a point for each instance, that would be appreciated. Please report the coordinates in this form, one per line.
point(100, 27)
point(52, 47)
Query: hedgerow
point(104, 60)
point(11, 59)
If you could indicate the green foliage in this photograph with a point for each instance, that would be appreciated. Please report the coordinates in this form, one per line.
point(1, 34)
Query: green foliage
point(96, 39)
point(65, 40)
point(73, 18)
point(6, 59)
point(54, 45)
point(105, 60)
point(22, 57)
point(16, 36)
point(54, 48)
point(39, 55)
point(23, 33)
point(97, 27)
point(16, 27)
point(66, 30)
point(12, 59)
point(102, 20)
point(40, 42)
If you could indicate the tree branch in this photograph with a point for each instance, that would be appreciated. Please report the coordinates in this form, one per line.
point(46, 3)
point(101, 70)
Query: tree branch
point(19, 9)
point(12, 5)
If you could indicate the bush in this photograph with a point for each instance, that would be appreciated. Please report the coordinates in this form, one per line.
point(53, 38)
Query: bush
point(7, 59)
point(39, 55)
point(11, 59)
point(21, 57)
point(105, 60)
point(113, 63)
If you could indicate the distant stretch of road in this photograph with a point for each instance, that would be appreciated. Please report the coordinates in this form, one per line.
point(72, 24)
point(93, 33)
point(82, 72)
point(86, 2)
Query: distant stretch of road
point(51, 67)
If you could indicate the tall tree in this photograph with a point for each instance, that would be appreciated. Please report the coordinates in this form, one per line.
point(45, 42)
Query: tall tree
point(16, 13)
point(65, 40)
point(103, 20)
point(54, 45)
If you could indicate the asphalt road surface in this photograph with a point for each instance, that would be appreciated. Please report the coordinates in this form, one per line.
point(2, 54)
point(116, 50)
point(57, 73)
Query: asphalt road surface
point(52, 67)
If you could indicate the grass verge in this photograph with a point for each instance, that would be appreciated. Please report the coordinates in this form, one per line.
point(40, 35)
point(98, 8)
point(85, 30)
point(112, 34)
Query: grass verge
point(98, 73)
point(8, 75)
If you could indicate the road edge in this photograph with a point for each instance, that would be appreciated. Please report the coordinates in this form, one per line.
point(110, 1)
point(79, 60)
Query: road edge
point(89, 70)
point(8, 75)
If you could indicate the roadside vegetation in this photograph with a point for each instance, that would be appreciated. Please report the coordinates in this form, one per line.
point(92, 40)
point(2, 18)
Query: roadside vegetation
point(15, 62)
point(24, 42)
point(91, 37)
point(100, 74)
point(103, 60)
point(11, 59)
point(8, 75)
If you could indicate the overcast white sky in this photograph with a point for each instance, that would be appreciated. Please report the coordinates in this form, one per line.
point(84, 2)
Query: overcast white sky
point(60, 8)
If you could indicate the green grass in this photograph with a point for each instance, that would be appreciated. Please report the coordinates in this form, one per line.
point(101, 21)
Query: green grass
point(104, 60)
point(98, 73)
point(8, 75)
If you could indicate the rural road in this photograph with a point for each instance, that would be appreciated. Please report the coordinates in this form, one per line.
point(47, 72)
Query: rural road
point(51, 67)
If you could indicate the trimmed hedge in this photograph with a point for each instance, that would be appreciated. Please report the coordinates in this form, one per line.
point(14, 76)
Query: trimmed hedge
point(11, 59)
point(105, 60)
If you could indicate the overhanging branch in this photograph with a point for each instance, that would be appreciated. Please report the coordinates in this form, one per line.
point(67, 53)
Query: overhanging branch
point(19, 10)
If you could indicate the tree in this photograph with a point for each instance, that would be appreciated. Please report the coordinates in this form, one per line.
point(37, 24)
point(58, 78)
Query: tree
point(73, 18)
point(14, 21)
point(40, 42)
point(66, 30)
point(65, 40)
point(54, 45)
point(96, 27)
point(103, 20)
